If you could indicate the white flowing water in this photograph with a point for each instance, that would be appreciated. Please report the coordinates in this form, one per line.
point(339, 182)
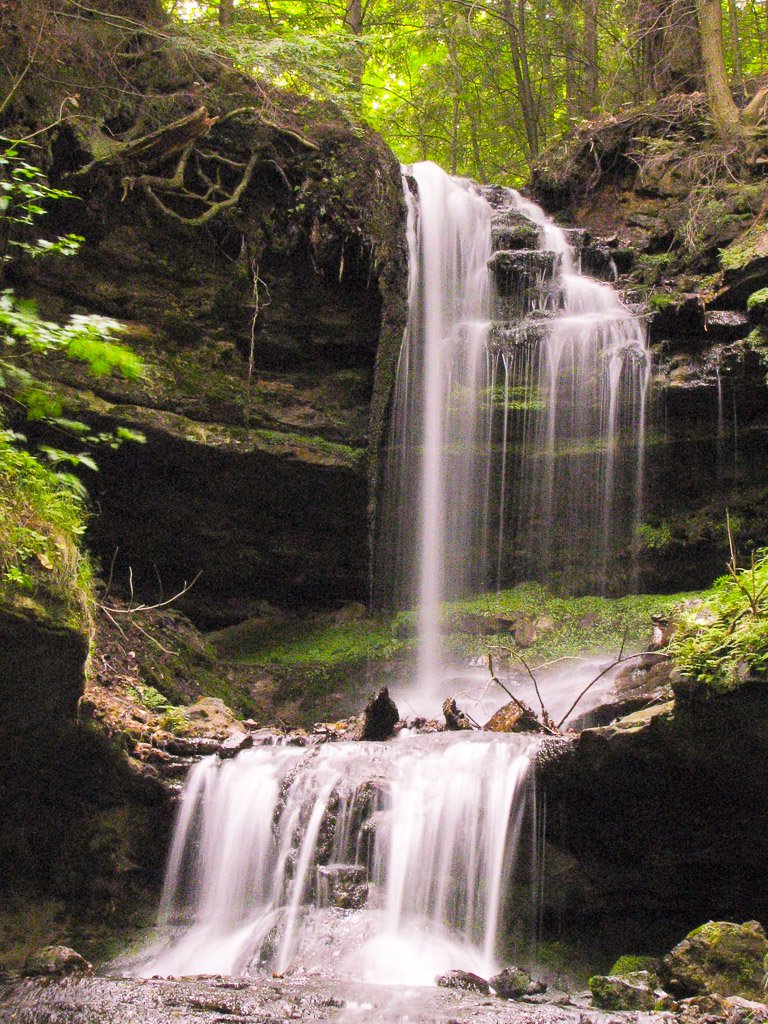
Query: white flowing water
point(518, 414)
point(427, 827)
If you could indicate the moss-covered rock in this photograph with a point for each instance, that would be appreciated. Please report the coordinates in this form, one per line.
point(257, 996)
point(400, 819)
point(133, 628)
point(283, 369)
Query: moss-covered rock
point(718, 957)
point(634, 990)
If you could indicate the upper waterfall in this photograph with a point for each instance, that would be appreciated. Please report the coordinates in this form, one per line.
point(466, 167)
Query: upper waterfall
point(518, 412)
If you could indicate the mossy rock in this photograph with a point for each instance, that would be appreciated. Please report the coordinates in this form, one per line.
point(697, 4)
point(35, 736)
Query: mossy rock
point(719, 957)
point(633, 991)
point(757, 307)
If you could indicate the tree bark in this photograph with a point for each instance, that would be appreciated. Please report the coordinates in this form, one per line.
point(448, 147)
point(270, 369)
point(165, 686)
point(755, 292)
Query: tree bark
point(725, 113)
point(226, 13)
point(591, 62)
point(668, 33)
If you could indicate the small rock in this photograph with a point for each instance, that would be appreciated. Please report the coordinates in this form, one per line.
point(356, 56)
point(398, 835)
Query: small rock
point(455, 719)
point(463, 980)
point(57, 960)
point(525, 632)
point(379, 717)
point(234, 743)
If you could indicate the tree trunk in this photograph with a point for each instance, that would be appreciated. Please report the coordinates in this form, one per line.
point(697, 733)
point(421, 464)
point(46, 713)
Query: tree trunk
point(226, 13)
point(668, 33)
point(592, 68)
point(353, 20)
point(725, 113)
point(735, 41)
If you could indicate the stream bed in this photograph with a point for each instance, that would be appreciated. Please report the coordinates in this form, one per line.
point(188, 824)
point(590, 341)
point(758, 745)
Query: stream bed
point(219, 1000)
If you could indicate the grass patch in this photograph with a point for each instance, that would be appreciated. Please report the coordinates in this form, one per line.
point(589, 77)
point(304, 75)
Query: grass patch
point(473, 625)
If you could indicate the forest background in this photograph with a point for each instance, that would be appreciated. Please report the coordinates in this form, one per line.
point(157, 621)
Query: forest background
point(484, 86)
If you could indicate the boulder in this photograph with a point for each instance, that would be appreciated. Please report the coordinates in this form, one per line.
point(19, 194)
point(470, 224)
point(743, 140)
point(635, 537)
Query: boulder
point(379, 717)
point(633, 991)
point(464, 980)
point(57, 960)
point(719, 957)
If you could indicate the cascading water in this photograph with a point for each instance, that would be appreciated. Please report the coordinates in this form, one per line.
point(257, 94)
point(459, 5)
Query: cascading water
point(393, 862)
point(431, 536)
point(518, 416)
point(423, 832)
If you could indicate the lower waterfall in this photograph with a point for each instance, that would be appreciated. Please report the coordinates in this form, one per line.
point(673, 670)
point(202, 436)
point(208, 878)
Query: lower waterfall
point(381, 862)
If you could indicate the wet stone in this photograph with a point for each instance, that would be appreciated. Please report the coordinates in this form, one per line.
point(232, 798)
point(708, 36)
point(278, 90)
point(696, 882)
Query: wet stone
point(342, 885)
point(234, 743)
point(463, 980)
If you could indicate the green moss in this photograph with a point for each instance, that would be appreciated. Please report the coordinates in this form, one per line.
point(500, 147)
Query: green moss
point(749, 246)
point(758, 300)
point(660, 300)
point(632, 964)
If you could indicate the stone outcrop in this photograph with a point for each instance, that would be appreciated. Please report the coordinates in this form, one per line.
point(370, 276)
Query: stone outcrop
point(269, 324)
point(653, 824)
point(687, 228)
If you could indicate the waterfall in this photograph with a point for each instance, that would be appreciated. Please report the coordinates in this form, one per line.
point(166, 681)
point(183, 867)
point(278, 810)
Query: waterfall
point(516, 445)
point(518, 414)
point(400, 852)
point(435, 473)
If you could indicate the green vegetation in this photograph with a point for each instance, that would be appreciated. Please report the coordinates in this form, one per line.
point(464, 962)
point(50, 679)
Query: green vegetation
point(631, 964)
point(310, 661)
point(722, 639)
point(41, 522)
point(482, 89)
point(42, 510)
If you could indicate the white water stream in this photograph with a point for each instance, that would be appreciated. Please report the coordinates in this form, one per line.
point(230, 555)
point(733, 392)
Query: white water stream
point(426, 827)
point(518, 416)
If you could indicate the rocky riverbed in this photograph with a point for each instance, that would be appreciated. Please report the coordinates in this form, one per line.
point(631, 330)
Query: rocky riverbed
point(215, 1000)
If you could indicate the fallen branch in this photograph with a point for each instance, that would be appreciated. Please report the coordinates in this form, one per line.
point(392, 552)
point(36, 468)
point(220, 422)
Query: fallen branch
point(618, 661)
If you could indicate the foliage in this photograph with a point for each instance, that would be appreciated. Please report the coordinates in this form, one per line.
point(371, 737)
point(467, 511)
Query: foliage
point(722, 640)
point(480, 88)
point(41, 523)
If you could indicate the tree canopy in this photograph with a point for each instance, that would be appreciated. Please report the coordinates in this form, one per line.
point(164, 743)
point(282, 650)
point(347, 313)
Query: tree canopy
point(483, 86)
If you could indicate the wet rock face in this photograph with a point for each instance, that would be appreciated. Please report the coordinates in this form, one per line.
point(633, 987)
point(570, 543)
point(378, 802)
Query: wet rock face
point(269, 332)
point(719, 957)
point(655, 826)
